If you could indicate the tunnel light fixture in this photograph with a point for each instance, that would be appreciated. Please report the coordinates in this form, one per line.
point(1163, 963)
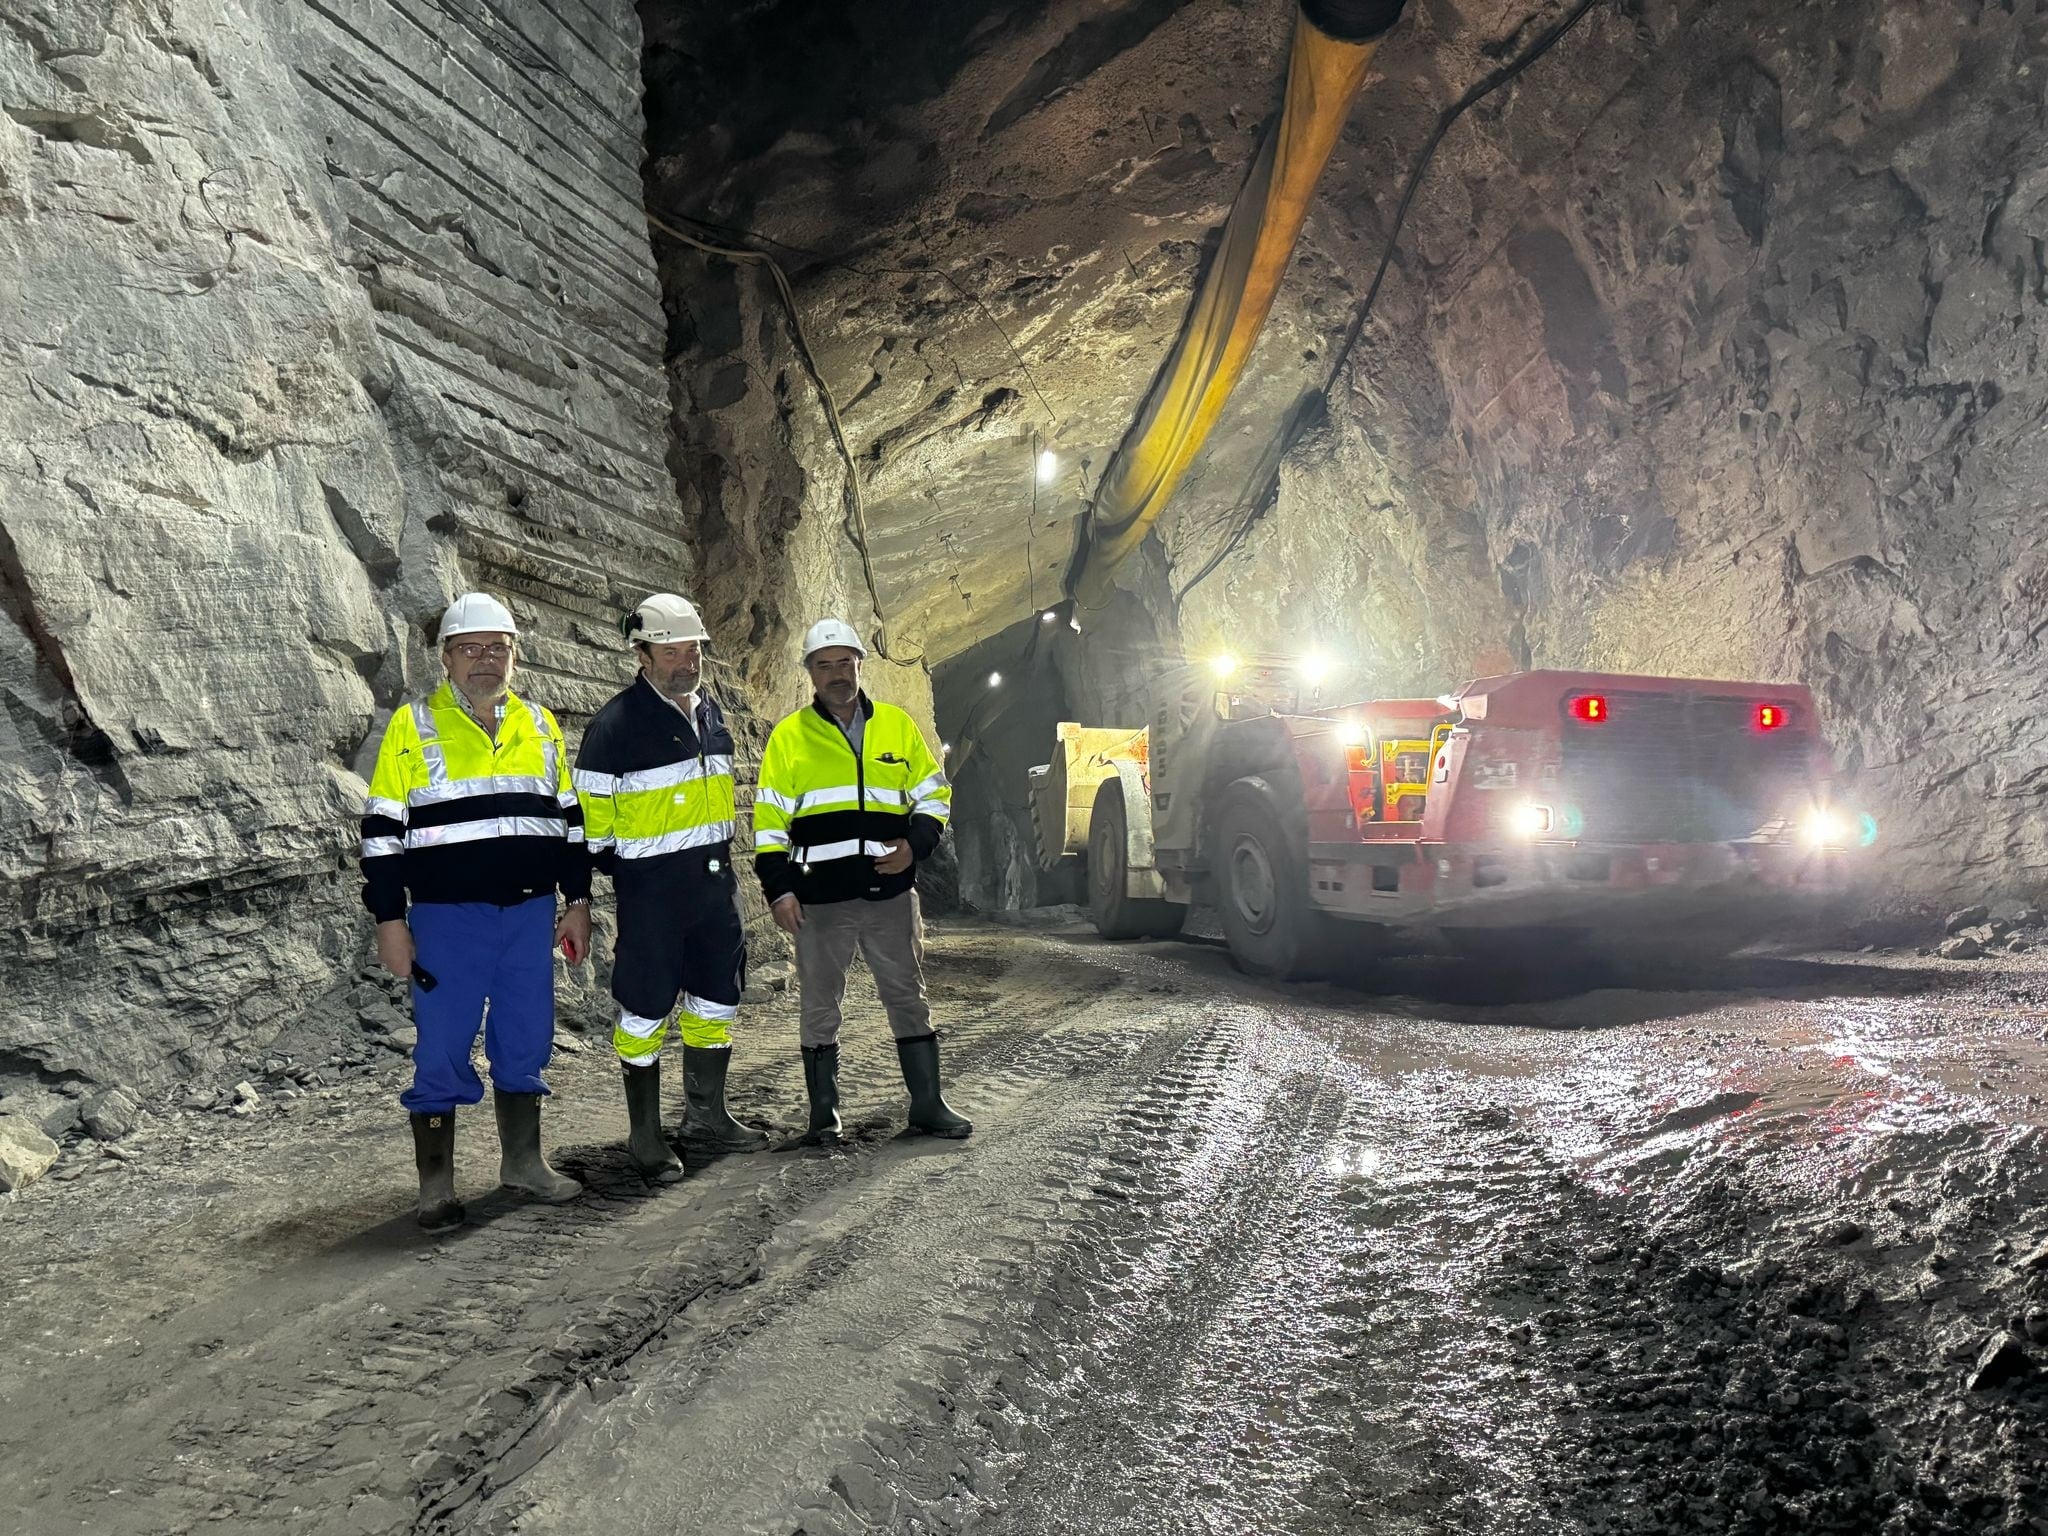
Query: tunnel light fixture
point(1048, 465)
point(1314, 668)
point(995, 679)
point(1222, 666)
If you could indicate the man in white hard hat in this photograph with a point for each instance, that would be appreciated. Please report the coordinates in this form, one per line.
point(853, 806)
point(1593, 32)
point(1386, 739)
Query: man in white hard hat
point(471, 831)
point(850, 799)
point(655, 777)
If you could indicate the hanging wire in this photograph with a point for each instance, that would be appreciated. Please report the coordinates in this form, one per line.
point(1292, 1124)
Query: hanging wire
point(1031, 517)
point(856, 522)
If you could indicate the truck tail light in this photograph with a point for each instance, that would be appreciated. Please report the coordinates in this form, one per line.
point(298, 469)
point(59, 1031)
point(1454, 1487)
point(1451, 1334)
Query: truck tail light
point(1770, 717)
point(1590, 709)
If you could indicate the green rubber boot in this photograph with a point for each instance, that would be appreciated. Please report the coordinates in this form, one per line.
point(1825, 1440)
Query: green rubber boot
point(433, 1151)
point(821, 1082)
point(929, 1110)
point(649, 1149)
point(521, 1166)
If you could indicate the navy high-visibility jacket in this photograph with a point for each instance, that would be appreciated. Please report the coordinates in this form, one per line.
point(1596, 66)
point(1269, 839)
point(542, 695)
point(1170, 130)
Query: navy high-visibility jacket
point(455, 815)
point(655, 783)
point(823, 815)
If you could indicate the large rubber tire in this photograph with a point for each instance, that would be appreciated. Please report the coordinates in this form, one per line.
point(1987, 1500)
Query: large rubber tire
point(1272, 927)
point(1117, 913)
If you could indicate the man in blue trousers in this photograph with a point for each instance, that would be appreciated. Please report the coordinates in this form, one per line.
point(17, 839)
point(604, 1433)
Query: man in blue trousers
point(473, 816)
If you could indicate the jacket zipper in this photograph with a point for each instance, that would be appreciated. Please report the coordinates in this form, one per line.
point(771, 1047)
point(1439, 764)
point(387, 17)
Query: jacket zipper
point(860, 793)
point(693, 719)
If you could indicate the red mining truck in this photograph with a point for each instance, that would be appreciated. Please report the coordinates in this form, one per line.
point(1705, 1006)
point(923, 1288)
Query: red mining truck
point(1529, 813)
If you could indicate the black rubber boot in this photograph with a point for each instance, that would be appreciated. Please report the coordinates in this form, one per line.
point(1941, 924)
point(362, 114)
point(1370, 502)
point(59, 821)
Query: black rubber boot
point(649, 1149)
point(821, 1082)
point(929, 1110)
point(708, 1126)
point(433, 1150)
point(520, 1165)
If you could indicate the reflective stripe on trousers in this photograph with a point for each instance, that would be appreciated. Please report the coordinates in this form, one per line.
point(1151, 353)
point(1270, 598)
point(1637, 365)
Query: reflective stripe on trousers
point(704, 1025)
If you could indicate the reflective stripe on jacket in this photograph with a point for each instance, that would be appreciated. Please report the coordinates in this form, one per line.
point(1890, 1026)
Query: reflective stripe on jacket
point(823, 815)
point(654, 781)
point(454, 815)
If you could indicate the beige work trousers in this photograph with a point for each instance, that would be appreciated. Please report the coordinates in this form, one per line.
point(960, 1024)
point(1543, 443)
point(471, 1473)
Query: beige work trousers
point(891, 936)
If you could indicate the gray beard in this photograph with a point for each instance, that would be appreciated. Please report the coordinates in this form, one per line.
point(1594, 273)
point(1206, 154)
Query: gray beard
point(483, 703)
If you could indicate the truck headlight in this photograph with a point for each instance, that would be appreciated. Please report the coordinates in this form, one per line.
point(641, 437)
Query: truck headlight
point(1824, 828)
point(1531, 820)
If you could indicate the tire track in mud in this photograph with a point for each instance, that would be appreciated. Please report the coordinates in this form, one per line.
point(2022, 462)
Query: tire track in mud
point(1263, 1351)
point(1727, 1353)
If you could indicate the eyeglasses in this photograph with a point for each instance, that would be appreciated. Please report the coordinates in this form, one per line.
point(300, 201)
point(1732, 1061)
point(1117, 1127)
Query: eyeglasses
point(471, 651)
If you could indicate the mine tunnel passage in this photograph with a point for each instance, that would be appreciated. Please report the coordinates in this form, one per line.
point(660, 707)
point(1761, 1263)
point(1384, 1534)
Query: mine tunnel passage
point(1550, 1253)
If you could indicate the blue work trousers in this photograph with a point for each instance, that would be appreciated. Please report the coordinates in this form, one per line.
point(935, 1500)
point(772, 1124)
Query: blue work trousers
point(494, 968)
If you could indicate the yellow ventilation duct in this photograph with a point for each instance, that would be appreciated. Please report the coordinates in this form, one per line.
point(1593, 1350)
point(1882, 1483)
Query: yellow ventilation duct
point(1334, 41)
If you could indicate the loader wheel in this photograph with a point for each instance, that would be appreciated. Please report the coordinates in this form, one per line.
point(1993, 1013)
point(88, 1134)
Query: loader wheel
point(1117, 913)
point(1262, 892)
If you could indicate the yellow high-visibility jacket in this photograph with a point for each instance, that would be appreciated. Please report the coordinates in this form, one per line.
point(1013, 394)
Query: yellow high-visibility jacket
point(823, 814)
point(456, 816)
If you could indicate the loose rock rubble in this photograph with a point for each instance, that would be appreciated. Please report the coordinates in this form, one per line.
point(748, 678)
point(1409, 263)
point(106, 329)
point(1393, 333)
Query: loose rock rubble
point(1975, 932)
point(26, 1154)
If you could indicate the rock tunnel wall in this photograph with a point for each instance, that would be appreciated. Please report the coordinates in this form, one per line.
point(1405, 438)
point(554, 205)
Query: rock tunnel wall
point(317, 313)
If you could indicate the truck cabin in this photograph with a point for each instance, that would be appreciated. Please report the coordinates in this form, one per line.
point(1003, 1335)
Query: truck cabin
point(1390, 747)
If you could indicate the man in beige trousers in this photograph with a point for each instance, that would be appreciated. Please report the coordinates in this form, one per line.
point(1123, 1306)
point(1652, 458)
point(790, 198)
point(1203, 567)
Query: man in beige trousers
point(850, 799)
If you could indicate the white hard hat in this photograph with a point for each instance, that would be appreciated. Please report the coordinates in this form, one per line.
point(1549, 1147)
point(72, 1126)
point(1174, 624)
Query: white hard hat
point(476, 613)
point(665, 619)
point(827, 632)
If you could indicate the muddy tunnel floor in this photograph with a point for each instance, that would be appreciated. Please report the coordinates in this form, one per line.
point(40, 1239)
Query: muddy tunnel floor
point(1756, 1246)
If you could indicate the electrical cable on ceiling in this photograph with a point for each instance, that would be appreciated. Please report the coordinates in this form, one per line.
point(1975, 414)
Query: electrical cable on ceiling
point(857, 517)
point(1269, 492)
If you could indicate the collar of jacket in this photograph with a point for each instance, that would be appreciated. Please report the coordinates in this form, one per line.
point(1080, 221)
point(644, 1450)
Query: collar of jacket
point(445, 697)
point(867, 710)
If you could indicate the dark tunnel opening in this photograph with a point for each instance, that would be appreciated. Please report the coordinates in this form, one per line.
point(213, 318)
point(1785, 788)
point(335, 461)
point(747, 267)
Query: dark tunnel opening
point(997, 705)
